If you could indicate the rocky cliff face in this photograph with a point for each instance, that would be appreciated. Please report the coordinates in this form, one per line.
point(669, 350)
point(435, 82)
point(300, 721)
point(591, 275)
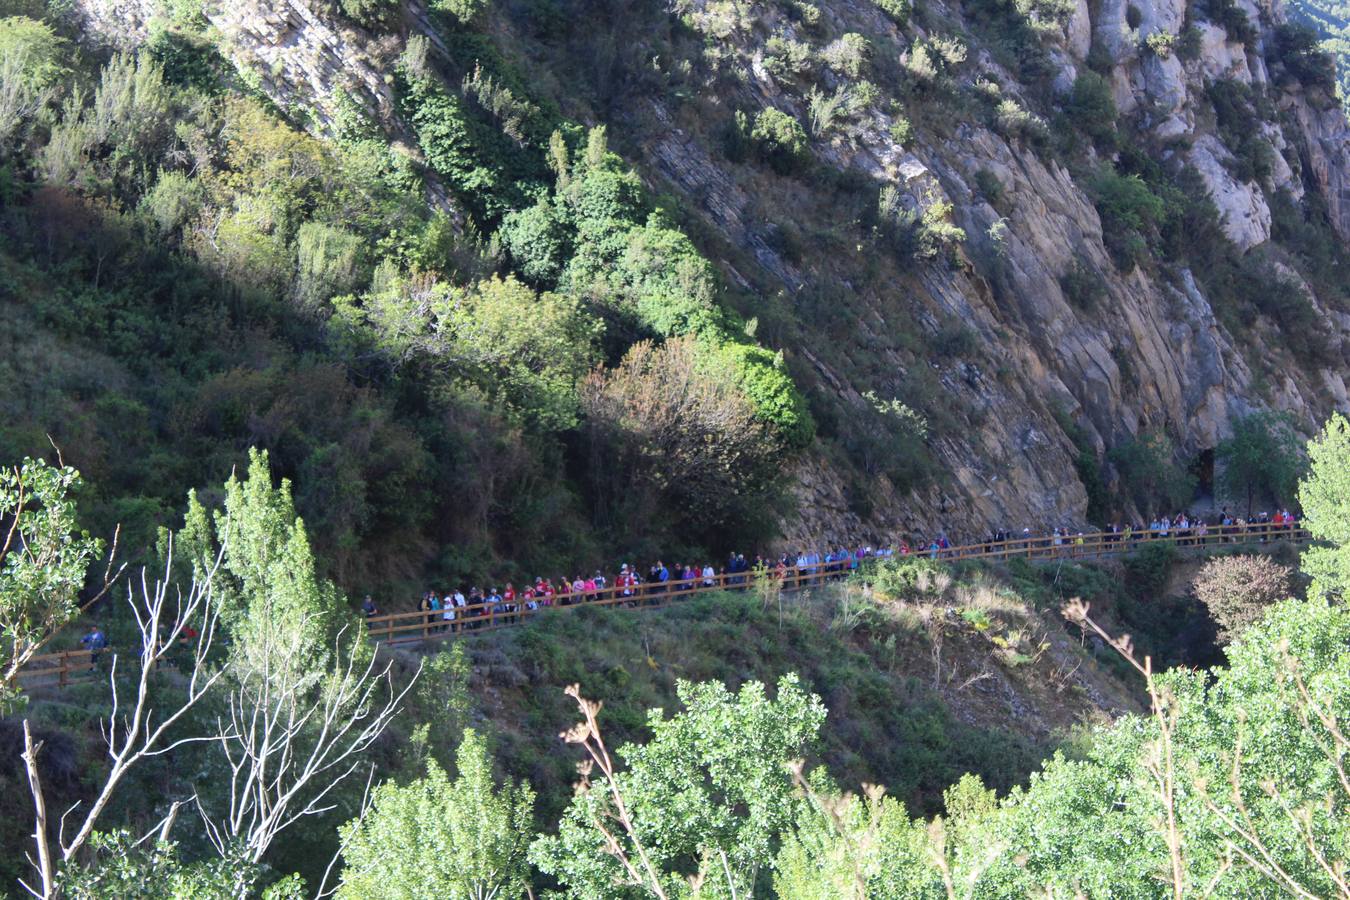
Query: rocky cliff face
point(1152, 353)
point(1155, 351)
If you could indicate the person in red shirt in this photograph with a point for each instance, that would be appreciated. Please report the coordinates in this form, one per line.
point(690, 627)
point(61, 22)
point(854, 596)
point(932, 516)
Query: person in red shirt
point(509, 601)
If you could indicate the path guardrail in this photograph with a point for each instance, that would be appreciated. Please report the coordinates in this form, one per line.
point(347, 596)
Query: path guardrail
point(69, 667)
point(60, 669)
point(421, 625)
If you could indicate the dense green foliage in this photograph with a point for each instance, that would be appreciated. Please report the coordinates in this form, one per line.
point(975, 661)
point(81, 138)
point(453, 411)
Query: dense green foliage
point(716, 792)
point(227, 280)
point(1325, 499)
point(1231, 783)
point(469, 836)
point(1261, 459)
point(44, 562)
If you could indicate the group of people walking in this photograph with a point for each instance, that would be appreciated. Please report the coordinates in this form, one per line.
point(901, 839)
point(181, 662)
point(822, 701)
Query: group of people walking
point(1181, 529)
point(458, 609)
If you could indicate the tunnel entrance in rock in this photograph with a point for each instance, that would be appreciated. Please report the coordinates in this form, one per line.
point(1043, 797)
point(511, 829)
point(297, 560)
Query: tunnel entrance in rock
point(1204, 472)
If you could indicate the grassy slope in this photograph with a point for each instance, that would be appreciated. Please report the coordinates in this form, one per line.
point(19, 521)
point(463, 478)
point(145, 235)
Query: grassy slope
point(971, 678)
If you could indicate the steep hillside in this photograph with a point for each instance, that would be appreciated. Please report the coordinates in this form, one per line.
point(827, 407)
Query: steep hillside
point(942, 266)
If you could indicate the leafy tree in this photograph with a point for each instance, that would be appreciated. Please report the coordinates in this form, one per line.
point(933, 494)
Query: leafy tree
point(283, 617)
point(121, 866)
point(304, 696)
point(1150, 477)
point(1260, 459)
point(1237, 590)
point(329, 262)
point(31, 71)
point(43, 561)
point(671, 433)
point(441, 701)
point(526, 351)
point(463, 840)
point(846, 847)
point(711, 789)
point(538, 241)
point(36, 49)
point(1325, 499)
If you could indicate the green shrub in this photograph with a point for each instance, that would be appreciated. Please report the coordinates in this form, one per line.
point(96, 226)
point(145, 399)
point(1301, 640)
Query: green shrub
point(902, 132)
point(38, 50)
point(786, 59)
point(906, 578)
point(1013, 120)
point(955, 339)
point(537, 240)
point(464, 12)
point(1091, 109)
point(763, 376)
point(174, 199)
point(1128, 209)
point(329, 261)
point(187, 60)
point(1147, 572)
point(847, 55)
point(925, 232)
point(1087, 465)
point(897, 10)
point(1160, 43)
point(1240, 128)
point(1083, 285)
point(780, 139)
point(458, 146)
point(368, 12)
point(1189, 44)
point(1231, 17)
point(887, 437)
point(989, 185)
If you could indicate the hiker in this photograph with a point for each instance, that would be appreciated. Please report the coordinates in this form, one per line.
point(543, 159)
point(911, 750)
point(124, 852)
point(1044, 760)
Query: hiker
point(95, 641)
point(369, 608)
point(474, 607)
point(435, 606)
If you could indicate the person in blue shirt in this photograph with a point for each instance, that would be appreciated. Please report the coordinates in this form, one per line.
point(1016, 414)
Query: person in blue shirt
point(95, 641)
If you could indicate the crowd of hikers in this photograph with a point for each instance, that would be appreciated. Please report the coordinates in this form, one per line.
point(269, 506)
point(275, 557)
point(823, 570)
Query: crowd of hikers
point(505, 603)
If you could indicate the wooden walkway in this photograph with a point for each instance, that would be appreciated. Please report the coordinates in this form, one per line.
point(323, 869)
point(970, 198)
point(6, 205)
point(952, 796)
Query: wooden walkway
point(76, 666)
point(422, 625)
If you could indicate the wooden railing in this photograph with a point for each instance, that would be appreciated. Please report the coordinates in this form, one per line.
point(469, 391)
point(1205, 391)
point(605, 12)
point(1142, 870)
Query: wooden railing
point(75, 666)
point(59, 669)
point(420, 625)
